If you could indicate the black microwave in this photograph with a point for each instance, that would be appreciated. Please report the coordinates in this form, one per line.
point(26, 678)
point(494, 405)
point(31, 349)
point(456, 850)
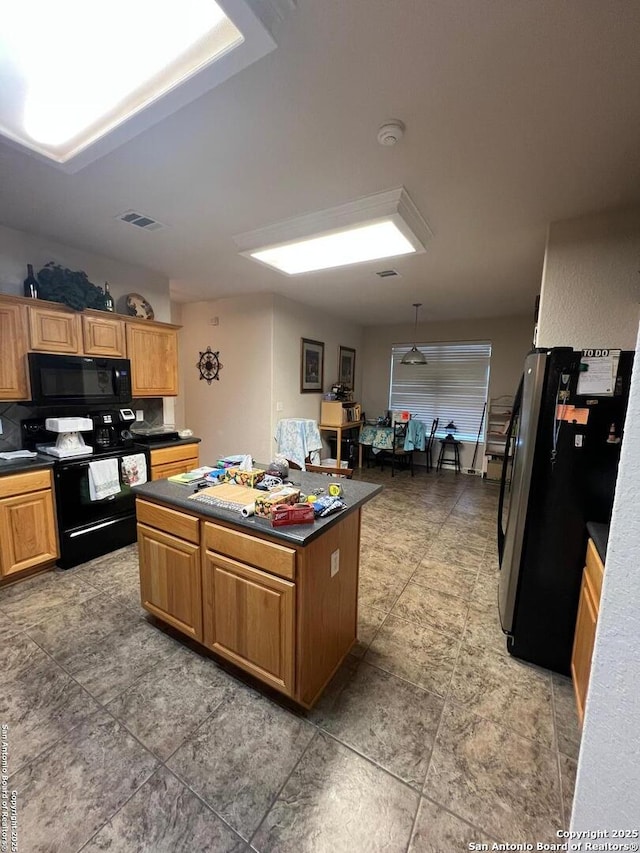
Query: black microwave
point(69, 380)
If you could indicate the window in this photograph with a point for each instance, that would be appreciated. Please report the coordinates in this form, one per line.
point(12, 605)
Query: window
point(452, 386)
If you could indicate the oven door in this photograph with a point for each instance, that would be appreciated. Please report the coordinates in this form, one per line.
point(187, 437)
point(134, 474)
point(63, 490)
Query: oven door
point(76, 510)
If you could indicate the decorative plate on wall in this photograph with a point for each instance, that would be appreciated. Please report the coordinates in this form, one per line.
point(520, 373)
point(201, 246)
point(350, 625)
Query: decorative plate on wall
point(138, 306)
point(209, 365)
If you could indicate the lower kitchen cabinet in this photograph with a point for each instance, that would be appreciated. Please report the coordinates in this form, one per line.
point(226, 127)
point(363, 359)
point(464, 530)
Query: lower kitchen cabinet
point(170, 579)
point(28, 537)
point(167, 461)
point(249, 618)
point(586, 623)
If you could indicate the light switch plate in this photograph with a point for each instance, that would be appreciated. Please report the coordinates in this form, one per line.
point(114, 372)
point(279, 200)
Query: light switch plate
point(335, 562)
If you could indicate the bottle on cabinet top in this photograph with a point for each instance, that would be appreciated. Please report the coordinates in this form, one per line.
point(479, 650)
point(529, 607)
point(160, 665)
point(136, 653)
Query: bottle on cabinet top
point(31, 288)
point(109, 304)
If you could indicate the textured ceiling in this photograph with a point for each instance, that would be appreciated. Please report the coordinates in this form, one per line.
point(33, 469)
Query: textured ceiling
point(518, 113)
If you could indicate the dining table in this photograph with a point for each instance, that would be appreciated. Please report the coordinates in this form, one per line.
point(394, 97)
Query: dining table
point(381, 438)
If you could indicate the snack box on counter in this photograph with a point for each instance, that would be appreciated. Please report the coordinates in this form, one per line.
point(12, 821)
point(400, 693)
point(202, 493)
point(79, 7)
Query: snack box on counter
point(245, 478)
point(284, 514)
point(265, 504)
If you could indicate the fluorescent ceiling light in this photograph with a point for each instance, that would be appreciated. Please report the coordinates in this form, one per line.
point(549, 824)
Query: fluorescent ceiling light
point(72, 72)
point(384, 225)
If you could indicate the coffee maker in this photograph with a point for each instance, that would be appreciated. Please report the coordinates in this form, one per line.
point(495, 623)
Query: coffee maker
point(111, 428)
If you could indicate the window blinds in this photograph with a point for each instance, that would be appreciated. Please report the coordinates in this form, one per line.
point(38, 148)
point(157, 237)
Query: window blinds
point(452, 386)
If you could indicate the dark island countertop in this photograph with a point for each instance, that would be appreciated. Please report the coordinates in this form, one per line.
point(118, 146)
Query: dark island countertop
point(600, 534)
point(355, 494)
point(19, 466)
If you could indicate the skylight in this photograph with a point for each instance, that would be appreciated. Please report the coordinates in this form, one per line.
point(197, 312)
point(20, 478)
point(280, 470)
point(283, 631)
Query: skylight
point(72, 72)
point(383, 225)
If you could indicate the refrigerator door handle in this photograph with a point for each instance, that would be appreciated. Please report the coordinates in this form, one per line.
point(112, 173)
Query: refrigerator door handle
point(517, 402)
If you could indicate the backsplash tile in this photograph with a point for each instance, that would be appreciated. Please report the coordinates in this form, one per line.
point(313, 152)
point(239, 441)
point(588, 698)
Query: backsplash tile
point(12, 413)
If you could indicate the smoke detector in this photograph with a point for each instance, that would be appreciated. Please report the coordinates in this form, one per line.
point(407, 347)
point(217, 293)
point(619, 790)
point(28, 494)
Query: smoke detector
point(391, 132)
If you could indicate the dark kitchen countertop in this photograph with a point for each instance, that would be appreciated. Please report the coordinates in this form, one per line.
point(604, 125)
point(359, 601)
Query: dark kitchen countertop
point(157, 445)
point(355, 494)
point(600, 534)
point(19, 466)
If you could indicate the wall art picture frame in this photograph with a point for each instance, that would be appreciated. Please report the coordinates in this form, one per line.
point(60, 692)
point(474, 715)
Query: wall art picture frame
point(347, 367)
point(311, 366)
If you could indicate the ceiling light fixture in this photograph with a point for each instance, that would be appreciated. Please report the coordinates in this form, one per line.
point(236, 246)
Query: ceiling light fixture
point(414, 356)
point(383, 225)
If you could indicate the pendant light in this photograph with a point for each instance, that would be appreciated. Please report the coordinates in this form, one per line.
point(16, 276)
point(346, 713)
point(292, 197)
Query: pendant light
point(414, 356)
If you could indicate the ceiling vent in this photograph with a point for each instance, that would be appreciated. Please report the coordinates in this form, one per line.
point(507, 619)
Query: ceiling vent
point(140, 220)
point(388, 274)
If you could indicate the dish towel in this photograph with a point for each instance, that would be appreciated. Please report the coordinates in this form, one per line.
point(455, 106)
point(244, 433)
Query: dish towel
point(134, 469)
point(104, 479)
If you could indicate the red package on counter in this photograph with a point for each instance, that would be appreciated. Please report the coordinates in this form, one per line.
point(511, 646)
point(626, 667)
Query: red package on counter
point(283, 514)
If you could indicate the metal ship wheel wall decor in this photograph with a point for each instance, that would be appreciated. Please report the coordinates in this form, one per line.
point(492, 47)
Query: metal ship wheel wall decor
point(209, 365)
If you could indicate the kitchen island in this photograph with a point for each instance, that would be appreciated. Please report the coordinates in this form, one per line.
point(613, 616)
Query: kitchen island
point(280, 603)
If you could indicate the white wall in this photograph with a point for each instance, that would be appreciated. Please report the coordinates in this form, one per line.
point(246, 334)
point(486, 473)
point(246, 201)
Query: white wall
point(590, 283)
point(233, 414)
point(293, 321)
point(19, 248)
point(510, 337)
point(258, 338)
point(608, 783)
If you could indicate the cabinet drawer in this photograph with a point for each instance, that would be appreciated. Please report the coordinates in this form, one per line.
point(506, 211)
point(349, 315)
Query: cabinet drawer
point(168, 520)
point(266, 555)
point(30, 481)
point(594, 570)
point(174, 454)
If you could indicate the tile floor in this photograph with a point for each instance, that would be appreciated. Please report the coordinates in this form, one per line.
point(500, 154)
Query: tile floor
point(122, 738)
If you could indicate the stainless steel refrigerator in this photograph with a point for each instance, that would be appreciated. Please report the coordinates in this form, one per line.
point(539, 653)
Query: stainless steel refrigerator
point(565, 431)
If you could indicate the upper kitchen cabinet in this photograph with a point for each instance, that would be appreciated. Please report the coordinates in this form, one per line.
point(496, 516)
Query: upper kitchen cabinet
point(103, 336)
point(153, 351)
point(13, 348)
point(54, 330)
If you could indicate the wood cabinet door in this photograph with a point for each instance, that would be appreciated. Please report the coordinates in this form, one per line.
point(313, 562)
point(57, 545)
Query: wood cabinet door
point(583, 645)
point(154, 360)
point(103, 336)
point(14, 384)
point(27, 532)
point(53, 331)
point(249, 618)
point(159, 472)
point(170, 579)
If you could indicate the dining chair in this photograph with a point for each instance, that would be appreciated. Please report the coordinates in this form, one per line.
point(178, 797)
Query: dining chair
point(430, 441)
point(400, 456)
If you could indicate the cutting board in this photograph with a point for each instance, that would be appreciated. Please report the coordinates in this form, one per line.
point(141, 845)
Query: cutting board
point(241, 495)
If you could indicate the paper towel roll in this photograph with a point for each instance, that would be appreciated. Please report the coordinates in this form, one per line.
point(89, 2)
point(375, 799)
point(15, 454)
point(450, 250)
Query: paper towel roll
point(248, 510)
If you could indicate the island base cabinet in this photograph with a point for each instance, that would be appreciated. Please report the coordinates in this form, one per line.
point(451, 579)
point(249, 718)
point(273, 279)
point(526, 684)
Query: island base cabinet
point(170, 580)
point(249, 619)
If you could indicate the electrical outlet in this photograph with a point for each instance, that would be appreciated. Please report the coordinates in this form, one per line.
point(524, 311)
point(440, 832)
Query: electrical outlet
point(279, 407)
point(335, 562)
point(0, 427)
point(139, 415)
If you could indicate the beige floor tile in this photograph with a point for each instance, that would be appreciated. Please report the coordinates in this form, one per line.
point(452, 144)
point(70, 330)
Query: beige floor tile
point(432, 608)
